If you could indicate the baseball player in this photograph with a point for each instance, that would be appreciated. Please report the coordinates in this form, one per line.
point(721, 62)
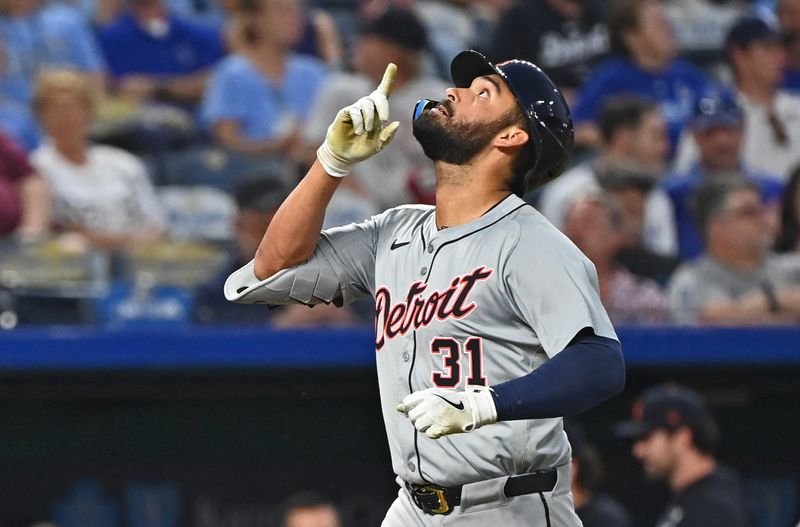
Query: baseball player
point(489, 325)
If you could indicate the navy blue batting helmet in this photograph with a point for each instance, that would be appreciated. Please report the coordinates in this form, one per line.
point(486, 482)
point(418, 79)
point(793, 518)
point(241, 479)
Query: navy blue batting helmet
point(549, 118)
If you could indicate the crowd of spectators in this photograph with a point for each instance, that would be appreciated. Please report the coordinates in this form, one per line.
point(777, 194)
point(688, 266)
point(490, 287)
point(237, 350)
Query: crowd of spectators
point(130, 124)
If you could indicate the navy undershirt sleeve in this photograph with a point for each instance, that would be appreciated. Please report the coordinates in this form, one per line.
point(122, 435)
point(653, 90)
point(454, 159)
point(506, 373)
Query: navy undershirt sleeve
point(584, 374)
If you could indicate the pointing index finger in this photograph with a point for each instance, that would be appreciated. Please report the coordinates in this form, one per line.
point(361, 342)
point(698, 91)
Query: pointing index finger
point(385, 87)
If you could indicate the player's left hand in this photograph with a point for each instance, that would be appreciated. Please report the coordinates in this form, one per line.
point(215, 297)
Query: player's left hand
point(439, 412)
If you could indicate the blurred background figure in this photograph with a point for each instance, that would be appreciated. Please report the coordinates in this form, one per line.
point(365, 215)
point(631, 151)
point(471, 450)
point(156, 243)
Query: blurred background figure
point(34, 35)
point(772, 115)
point(25, 200)
point(156, 55)
point(401, 174)
point(595, 224)
point(594, 508)
point(737, 281)
point(631, 190)
point(675, 438)
point(566, 38)
point(102, 195)
point(308, 510)
point(259, 97)
point(256, 204)
point(634, 137)
point(452, 26)
point(789, 235)
point(716, 133)
point(644, 63)
point(700, 27)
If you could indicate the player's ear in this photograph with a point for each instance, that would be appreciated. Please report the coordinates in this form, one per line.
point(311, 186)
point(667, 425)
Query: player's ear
point(510, 137)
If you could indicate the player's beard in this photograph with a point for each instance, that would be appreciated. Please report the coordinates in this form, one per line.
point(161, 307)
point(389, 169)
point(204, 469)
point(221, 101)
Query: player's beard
point(444, 138)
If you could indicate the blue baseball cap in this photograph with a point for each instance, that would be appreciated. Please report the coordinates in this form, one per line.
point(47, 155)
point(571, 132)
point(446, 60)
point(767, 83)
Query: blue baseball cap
point(751, 29)
point(714, 108)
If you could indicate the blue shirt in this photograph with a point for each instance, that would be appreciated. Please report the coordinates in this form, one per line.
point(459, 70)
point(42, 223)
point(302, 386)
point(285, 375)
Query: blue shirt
point(791, 80)
point(239, 92)
point(185, 48)
point(56, 35)
point(676, 89)
point(16, 121)
point(680, 189)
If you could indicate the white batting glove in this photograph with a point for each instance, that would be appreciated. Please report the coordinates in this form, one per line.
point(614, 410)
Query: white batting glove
point(439, 412)
point(358, 133)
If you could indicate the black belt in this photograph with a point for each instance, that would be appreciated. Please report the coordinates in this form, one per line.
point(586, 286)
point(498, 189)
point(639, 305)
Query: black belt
point(435, 499)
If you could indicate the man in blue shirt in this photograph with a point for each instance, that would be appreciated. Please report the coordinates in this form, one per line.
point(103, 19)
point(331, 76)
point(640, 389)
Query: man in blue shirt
point(717, 131)
point(154, 54)
point(644, 64)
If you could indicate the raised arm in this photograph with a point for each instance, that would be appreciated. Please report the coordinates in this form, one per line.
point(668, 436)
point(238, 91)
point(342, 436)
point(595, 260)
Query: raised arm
point(356, 134)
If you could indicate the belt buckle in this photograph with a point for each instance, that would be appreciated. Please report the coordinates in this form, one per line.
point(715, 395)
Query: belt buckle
point(439, 492)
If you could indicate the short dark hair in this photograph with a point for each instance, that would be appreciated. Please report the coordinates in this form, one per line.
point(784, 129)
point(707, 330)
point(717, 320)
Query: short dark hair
point(590, 465)
point(400, 26)
point(622, 16)
point(302, 500)
point(710, 199)
point(623, 111)
point(260, 195)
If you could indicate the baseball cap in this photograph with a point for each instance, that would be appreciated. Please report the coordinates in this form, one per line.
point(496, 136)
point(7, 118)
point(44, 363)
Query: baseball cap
point(751, 29)
point(670, 407)
point(716, 108)
point(399, 26)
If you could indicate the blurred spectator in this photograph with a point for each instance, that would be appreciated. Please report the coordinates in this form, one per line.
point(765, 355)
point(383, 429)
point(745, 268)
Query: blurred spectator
point(25, 201)
point(789, 18)
point(634, 137)
point(156, 55)
point(258, 98)
point(451, 26)
point(789, 235)
point(308, 510)
point(35, 35)
point(737, 280)
point(644, 64)
point(405, 174)
point(102, 194)
point(675, 438)
point(566, 38)
point(320, 38)
point(700, 28)
point(630, 190)
point(716, 130)
point(595, 224)
point(594, 508)
point(772, 115)
point(256, 203)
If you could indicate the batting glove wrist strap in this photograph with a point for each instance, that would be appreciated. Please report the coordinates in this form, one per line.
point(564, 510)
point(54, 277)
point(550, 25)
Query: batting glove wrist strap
point(334, 165)
point(484, 411)
point(439, 412)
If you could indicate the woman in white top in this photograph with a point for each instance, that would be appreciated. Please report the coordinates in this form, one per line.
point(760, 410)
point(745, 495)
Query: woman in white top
point(101, 193)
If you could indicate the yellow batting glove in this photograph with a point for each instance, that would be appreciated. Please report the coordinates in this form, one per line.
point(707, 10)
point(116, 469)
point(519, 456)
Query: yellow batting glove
point(358, 133)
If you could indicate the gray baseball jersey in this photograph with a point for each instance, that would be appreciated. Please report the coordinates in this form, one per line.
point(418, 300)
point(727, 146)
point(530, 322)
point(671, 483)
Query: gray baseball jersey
point(480, 303)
